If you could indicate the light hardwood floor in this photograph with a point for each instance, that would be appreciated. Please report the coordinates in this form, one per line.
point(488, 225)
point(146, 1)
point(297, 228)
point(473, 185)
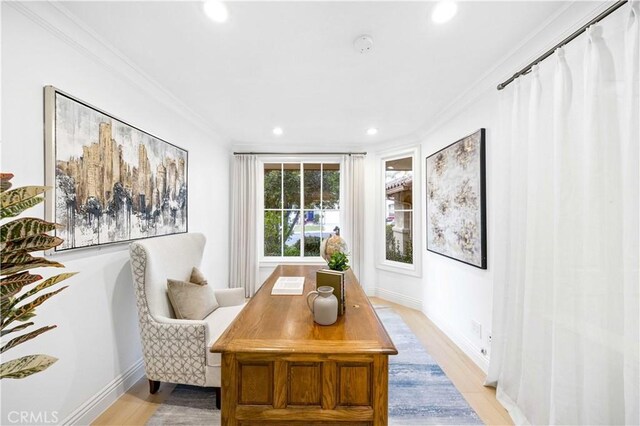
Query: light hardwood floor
point(136, 406)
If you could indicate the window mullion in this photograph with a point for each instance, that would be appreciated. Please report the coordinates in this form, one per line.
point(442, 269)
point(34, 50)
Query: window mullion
point(302, 253)
point(281, 210)
point(322, 216)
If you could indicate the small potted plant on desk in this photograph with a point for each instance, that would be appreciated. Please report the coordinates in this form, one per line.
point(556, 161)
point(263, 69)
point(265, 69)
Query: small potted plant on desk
point(339, 262)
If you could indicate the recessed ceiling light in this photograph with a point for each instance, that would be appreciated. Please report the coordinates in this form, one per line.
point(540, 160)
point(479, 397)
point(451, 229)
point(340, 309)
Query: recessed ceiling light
point(216, 11)
point(277, 131)
point(372, 131)
point(444, 11)
point(390, 167)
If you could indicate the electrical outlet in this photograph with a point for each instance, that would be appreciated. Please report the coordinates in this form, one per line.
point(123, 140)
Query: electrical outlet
point(476, 329)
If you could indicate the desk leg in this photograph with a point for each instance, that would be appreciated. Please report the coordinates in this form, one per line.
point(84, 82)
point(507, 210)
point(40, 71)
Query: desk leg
point(380, 389)
point(229, 390)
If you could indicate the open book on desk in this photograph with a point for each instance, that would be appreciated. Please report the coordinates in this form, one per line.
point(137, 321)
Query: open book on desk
point(288, 286)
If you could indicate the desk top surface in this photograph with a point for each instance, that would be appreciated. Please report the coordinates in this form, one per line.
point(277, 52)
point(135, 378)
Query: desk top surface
point(284, 324)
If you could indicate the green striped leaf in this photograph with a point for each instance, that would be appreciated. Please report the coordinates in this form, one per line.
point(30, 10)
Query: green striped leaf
point(16, 209)
point(24, 312)
point(16, 328)
point(23, 277)
point(46, 284)
point(5, 306)
point(9, 290)
point(5, 185)
point(32, 243)
point(25, 317)
point(23, 228)
point(25, 366)
point(13, 283)
point(25, 337)
point(18, 195)
point(20, 261)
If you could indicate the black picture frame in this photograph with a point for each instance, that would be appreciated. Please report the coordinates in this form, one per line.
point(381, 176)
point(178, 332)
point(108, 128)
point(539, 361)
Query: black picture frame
point(456, 200)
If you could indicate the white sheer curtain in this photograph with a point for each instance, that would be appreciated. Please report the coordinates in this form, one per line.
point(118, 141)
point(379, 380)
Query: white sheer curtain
point(243, 268)
point(565, 332)
point(352, 208)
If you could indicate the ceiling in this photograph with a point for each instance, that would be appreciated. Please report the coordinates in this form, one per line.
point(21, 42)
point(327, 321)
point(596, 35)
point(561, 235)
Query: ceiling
point(293, 64)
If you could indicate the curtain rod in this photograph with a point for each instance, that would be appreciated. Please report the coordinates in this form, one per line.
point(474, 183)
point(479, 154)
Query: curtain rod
point(575, 34)
point(299, 153)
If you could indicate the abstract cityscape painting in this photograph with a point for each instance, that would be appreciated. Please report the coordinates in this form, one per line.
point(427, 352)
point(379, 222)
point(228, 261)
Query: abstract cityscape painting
point(456, 201)
point(111, 181)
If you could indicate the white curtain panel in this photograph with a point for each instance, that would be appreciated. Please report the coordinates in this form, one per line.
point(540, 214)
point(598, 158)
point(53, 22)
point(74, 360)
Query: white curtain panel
point(352, 208)
point(565, 327)
point(244, 248)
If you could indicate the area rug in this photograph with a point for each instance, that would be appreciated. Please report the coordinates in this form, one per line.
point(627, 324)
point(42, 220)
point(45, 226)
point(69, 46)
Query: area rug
point(419, 391)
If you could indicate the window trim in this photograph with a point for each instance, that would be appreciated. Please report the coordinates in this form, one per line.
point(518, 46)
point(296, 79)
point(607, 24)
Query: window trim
point(268, 261)
point(414, 269)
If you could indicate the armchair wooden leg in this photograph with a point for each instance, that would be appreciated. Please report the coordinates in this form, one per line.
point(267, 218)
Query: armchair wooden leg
point(218, 397)
point(154, 385)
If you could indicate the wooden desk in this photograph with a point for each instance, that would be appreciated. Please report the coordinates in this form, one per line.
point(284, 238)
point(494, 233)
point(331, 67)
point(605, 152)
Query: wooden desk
point(279, 367)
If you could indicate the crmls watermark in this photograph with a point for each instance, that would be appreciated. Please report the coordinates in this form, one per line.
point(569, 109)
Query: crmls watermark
point(33, 417)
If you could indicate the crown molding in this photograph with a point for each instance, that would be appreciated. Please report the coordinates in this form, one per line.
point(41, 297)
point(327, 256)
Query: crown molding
point(512, 61)
point(293, 146)
point(392, 145)
point(60, 22)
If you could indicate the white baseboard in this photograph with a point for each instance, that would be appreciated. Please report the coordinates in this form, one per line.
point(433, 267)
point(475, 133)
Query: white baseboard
point(471, 350)
point(465, 345)
point(96, 405)
point(398, 298)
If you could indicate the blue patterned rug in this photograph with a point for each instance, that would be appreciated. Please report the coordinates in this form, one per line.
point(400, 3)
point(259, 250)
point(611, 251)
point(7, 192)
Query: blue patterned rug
point(419, 391)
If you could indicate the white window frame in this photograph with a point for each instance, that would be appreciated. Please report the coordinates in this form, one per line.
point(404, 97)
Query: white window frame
point(267, 261)
point(414, 269)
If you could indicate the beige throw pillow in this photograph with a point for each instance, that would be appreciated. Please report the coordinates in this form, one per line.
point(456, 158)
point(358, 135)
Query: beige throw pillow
point(191, 301)
point(197, 277)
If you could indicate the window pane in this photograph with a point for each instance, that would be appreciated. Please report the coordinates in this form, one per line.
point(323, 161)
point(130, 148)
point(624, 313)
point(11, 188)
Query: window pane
point(273, 233)
point(399, 213)
point(312, 232)
point(331, 186)
point(330, 220)
point(292, 232)
point(291, 182)
point(272, 186)
point(312, 186)
point(295, 221)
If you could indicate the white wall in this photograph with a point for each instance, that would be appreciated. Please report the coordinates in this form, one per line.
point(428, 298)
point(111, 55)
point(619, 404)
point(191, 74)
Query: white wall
point(97, 339)
point(454, 294)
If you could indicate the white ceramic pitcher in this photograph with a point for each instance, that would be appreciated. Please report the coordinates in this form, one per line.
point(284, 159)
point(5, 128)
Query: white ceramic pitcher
point(323, 305)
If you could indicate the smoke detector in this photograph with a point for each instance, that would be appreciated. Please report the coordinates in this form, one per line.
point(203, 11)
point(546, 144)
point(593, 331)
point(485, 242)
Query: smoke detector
point(363, 44)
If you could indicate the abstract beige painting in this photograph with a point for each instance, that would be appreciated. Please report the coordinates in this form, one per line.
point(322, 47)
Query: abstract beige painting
point(456, 201)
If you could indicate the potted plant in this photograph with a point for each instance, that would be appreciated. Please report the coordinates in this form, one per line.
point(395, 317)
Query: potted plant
point(338, 261)
point(18, 238)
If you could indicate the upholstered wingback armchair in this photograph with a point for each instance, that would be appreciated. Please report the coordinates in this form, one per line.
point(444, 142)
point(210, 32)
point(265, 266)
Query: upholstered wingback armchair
point(177, 350)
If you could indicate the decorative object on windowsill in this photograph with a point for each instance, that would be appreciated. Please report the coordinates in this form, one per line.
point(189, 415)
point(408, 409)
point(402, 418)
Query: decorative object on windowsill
point(333, 244)
point(324, 306)
point(456, 201)
point(18, 238)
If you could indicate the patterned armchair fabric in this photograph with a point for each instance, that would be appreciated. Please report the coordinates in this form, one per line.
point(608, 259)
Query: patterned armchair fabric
point(174, 350)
